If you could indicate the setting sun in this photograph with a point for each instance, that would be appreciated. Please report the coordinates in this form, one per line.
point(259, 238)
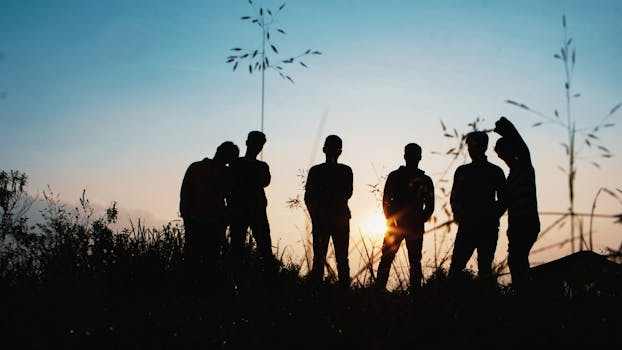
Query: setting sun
point(374, 225)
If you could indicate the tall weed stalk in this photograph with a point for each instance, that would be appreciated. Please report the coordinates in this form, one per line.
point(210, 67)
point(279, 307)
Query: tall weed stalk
point(578, 139)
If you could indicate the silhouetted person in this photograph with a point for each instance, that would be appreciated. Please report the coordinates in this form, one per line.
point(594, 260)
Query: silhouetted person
point(248, 203)
point(475, 202)
point(204, 189)
point(408, 202)
point(519, 194)
point(327, 191)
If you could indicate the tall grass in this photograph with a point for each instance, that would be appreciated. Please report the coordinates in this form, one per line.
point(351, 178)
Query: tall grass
point(578, 138)
point(75, 244)
point(74, 282)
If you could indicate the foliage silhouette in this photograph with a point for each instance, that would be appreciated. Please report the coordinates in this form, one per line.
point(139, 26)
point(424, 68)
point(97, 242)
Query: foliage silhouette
point(261, 58)
point(589, 134)
point(87, 286)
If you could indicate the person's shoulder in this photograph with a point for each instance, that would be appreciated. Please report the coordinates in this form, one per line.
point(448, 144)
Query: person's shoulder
point(200, 168)
point(261, 162)
point(400, 170)
point(194, 165)
point(463, 167)
point(494, 167)
point(397, 172)
point(316, 167)
point(345, 167)
point(427, 177)
point(420, 173)
point(200, 164)
point(254, 161)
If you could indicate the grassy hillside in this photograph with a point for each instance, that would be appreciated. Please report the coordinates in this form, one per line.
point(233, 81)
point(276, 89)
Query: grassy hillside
point(71, 282)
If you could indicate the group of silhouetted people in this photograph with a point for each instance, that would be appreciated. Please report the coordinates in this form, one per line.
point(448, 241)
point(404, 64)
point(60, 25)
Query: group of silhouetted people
point(228, 191)
point(481, 194)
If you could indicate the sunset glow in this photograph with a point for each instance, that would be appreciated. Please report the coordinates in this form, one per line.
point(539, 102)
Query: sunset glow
point(374, 226)
point(133, 92)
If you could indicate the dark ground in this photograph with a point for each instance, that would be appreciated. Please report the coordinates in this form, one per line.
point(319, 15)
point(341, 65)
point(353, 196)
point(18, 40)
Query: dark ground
point(156, 310)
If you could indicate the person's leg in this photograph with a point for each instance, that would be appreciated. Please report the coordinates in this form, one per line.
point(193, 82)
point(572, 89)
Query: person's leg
point(414, 244)
point(391, 243)
point(214, 239)
point(464, 245)
point(237, 234)
point(321, 238)
point(486, 247)
point(341, 241)
point(191, 260)
point(519, 246)
point(188, 235)
point(199, 249)
point(261, 232)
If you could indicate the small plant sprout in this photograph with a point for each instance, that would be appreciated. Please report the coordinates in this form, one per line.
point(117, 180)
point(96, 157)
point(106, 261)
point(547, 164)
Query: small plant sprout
point(579, 140)
point(266, 56)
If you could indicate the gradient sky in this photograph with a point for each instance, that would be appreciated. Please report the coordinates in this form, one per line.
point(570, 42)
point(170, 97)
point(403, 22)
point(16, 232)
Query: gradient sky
point(118, 97)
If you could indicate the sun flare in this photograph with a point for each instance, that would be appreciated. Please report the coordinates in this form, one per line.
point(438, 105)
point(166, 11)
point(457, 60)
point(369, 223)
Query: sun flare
point(374, 225)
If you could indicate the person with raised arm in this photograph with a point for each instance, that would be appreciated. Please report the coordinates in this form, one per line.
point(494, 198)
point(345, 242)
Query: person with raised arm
point(520, 197)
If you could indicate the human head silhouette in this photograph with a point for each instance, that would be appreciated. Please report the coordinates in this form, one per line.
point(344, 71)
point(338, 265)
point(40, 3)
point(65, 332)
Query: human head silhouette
point(226, 152)
point(254, 143)
point(505, 151)
point(412, 154)
point(477, 143)
point(332, 147)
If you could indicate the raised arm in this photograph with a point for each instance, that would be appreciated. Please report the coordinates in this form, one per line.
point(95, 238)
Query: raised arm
point(506, 129)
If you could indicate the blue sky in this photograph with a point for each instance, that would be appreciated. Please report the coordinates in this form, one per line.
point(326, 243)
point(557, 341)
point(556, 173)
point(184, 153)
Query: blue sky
point(118, 97)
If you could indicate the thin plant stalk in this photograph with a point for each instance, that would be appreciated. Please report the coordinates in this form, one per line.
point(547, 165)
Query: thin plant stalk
point(256, 60)
point(567, 55)
point(263, 74)
point(571, 133)
point(592, 217)
point(592, 214)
